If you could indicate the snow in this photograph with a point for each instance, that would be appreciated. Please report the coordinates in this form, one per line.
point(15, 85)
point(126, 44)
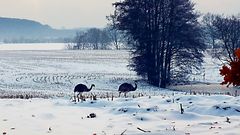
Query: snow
point(35, 46)
point(155, 114)
point(209, 71)
point(49, 75)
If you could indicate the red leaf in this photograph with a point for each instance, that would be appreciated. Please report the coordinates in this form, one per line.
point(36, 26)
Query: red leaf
point(237, 53)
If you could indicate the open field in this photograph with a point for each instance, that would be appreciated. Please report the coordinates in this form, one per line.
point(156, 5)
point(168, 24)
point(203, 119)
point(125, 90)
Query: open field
point(50, 76)
point(61, 70)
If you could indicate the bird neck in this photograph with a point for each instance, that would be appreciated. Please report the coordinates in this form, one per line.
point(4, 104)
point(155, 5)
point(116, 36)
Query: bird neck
point(90, 88)
point(135, 86)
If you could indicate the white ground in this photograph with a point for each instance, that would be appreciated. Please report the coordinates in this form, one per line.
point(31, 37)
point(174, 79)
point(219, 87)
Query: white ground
point(49, 72)
point(35, 46)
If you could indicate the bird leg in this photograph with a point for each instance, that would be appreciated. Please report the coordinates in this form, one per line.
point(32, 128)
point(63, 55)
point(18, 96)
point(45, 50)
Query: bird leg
point(74, 97)
point(119, 94)
point(78, 96)
point(125, 94)
point(81, 97)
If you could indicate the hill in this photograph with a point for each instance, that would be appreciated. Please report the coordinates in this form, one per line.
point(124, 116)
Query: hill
point(13, 29)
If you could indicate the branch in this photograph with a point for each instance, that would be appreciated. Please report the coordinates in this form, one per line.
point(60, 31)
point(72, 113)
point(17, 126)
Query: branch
point(123, 132)
point(143, 130)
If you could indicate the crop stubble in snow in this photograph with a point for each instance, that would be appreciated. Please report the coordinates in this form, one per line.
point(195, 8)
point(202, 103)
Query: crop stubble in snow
point(62, 70)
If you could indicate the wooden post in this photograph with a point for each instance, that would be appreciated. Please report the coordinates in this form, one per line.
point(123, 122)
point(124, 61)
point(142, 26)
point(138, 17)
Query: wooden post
point(181, 108)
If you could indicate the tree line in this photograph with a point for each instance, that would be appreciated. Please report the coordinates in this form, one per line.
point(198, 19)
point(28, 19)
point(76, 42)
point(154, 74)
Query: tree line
point(98, 39)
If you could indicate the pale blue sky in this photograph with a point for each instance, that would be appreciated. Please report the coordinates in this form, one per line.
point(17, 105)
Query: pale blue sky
point(88, 13)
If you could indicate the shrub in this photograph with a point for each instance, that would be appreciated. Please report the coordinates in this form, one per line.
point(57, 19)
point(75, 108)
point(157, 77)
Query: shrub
point(231, 72)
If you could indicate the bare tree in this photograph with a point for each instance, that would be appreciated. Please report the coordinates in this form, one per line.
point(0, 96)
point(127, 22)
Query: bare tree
point(210, 31)
point(114, 33)
point(94, 36)
point(104, 39)
point(226, 33)
point(80, 41)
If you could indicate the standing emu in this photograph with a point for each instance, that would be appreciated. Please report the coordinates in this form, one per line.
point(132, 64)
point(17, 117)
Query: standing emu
point(80, 88)
point(125, 88)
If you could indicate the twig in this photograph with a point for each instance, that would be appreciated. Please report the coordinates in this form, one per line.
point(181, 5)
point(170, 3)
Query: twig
point(143, 130)
point(123, 132)
point(228, 120)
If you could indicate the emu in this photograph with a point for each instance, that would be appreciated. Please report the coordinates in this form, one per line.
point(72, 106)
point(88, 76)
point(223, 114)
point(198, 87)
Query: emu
point(80, 88)
point(125, 88)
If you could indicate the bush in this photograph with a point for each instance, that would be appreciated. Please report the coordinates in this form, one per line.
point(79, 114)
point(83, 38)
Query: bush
point(231, 72)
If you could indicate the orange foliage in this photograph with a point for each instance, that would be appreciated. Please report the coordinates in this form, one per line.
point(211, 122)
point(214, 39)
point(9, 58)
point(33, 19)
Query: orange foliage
point(232, 73)
point(237, 53)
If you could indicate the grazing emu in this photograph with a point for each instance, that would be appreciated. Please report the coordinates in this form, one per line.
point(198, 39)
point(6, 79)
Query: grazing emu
point(80, 88)
point(125, 88)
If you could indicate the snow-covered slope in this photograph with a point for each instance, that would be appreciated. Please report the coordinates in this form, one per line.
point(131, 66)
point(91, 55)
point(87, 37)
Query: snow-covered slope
point(156, 115)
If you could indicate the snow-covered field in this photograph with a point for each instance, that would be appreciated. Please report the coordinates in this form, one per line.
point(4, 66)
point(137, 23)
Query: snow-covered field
point(61, 70)
point(35, 46)
point(53, 73)
point(156, 115)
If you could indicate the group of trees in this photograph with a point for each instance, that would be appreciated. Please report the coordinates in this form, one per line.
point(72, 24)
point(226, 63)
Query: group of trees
point(165, 35)
point(223, 35)
point(96, 39)
point(167, 39)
